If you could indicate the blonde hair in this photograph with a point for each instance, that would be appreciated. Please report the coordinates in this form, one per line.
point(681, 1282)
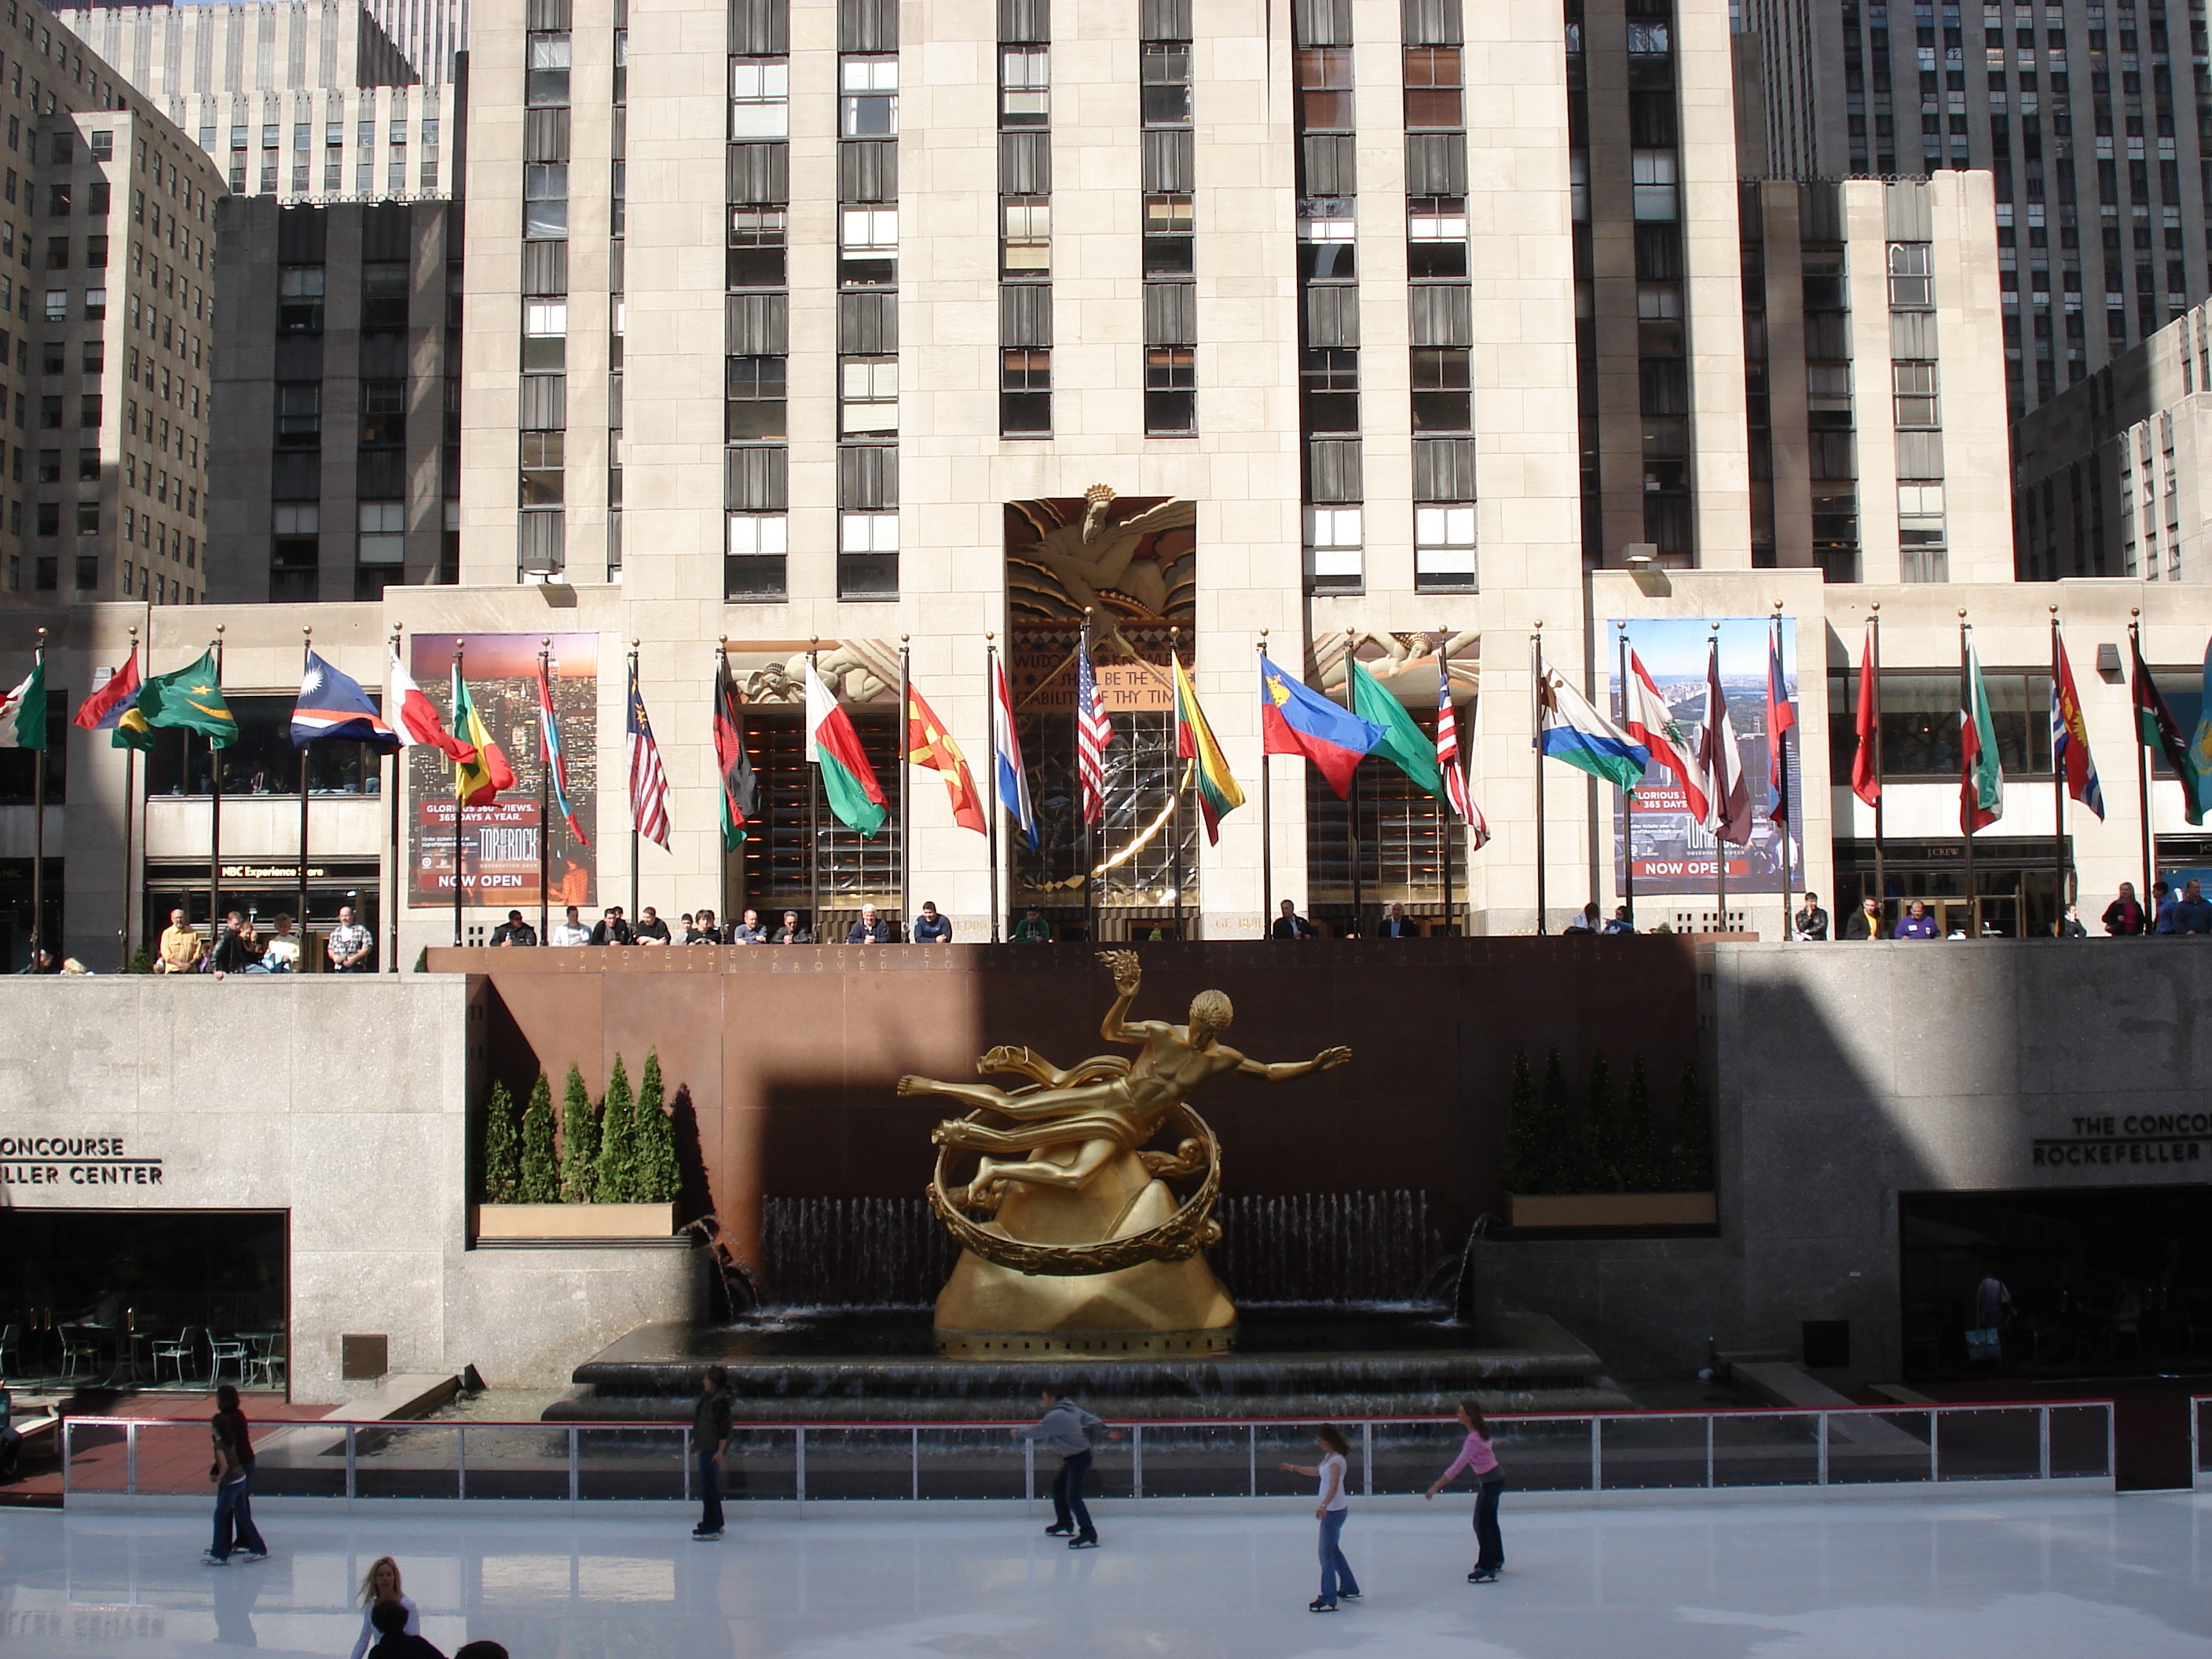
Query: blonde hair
point(368, 1584)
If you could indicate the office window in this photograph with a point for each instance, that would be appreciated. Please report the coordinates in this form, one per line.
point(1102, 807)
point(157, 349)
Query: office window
point(867, 555)
point(754, 568)
point(760, 98)
point(384, 293)
point(1915, 388)
point(56, 305)
point(95, 253)
point(88, 572)
point(1443, 399)
point(868, 105)
point(1433, 88)
point(88, 411)
point(1025, 394)
point(1653, 172)
point(103, 144)
point(88, 466)
point(546, 85)
point(544, 335)
point(300, 299)
point(542, 461)
point(545, 201)
point(95, 305)
point(867, 246)
point(755, 394)
point(98, 198)
point(758, 236)
point(1328, 380)
point(1168, 241)
point(1164, 72)
point(57, 253)
point(50, 518)
point(1324, 88)
point(1912, 276)
point(299, 415)
point(1332, 549)
point(1443, 548)
point(1027, 248)
point(868, 395)
point(88, 517)
point(383, 414)
point(1170, 390)
point(1327, 248)
point(1025, 85)
point(383, 537)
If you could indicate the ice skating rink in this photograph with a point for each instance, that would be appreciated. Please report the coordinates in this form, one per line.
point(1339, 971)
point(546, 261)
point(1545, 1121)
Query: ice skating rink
point(2054, 1575)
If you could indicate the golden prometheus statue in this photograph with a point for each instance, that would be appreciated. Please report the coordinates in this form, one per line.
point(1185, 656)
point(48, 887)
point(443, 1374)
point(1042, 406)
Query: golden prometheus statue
point(1087, 1249)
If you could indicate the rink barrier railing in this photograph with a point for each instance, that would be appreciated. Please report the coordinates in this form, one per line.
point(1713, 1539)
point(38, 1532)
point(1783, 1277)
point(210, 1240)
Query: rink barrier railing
point(1211, 1458)
point(2200, 1436)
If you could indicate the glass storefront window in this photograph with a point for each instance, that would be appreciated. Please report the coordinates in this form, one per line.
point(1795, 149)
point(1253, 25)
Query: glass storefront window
point(263, 761)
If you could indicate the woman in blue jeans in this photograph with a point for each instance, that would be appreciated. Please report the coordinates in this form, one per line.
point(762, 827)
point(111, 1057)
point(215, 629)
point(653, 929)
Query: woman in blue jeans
point(1336, 1579)
point(1478, 1459)
point(232, 1472)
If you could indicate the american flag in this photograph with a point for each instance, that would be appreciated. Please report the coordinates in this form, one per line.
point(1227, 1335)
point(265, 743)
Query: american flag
point(648, 784)
point(1448, 763)
point(1093, 733)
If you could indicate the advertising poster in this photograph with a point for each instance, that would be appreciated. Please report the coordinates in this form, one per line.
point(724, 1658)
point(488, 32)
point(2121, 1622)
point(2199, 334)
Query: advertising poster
point(1674, 853)
point(499, 843)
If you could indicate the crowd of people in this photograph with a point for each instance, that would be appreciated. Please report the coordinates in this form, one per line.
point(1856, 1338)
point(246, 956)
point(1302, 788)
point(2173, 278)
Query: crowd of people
point(614, 927)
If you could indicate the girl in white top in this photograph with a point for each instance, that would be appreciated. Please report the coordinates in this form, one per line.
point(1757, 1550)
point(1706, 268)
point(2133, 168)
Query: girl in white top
point(382, 1584)
point(1333, 1471)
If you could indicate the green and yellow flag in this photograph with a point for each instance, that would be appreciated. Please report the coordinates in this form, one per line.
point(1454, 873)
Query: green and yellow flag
point(1218, 792)
point(1404, 745)
point(190, 700)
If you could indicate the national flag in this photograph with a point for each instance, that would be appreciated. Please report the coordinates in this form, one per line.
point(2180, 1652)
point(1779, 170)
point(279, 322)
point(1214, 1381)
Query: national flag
point(832, 745)
point(1217, 794)
point(648, 781)
point(478, 779)
point(1981, 769)
point(1296, 720)
point(1404, 745)
point(2156, 728)
point(2200, 748)
point(2070, 737)
point(333, 705)
point(1458, 793)
point(415, 718)
point(1014, 783)
point(930, 746)
point(1571, 730)
point(23, 711)
point(190, 700)
point(1866, 773)
point(1781, 715)
point(1651, 720)
point(1094, 735)
point(102, 710)
point(740, 789)
point(556, 760)
point(1727, 796)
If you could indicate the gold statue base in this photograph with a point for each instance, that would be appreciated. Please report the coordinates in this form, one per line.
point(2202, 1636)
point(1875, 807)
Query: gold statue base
point(1100, 1345)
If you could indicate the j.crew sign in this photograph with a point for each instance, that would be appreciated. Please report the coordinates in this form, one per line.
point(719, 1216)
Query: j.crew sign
point(75, 1161)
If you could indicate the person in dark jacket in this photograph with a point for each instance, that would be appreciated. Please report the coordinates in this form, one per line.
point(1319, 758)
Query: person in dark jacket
point(869, 929)
point(1866, 920)
point(1811, 922)
point(930, 928)
point(2192, 914)
point(791, 932)
point(710, 1432)
point(1290, 925)
point(1399, 925)
point(235, 950)
point(393, 1642)
point(1066, 1427)
point(514, 930)
point(233, 1473)
point(2124, 916)
point(611, 929)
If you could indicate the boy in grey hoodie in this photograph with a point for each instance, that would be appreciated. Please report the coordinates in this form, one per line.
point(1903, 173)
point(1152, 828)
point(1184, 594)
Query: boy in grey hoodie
point(1065, 1428)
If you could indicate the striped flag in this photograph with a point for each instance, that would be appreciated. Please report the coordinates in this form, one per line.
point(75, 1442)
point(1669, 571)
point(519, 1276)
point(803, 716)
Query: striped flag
point(1013, 781)
point(1217, 791)
point(102, 710)
point(649, 783)
point(557, 763)
point(1093, 733)
point(1456, 789)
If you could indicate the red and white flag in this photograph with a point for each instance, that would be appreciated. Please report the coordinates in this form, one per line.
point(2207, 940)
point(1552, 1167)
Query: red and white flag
point(1651, 720)
point(1456, 789)
point(648, 782)
point(414, 718)
point(1093, 733)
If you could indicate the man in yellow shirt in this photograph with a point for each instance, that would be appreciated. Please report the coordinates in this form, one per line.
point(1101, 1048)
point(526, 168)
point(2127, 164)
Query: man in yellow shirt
point(182, 947)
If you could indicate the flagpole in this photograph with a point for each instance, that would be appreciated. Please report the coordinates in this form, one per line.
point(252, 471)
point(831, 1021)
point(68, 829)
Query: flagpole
point(1092, 833)
point(215, 812)
point(130, 817)
point(1358, 887)
point(458, 809)
point(1881, 794)
point(998, 806)
point(722, 865)
point(2142, 768)
point(902, 734)
point(1536, 742)
point(545, 803)
point(1720, 846)
point(1449, 817)
point(307, 656)
point(634, 842)
point(813, 817)
point(1174, 776)
point(1965, 812)
point(1267, 816)
point(1628, 796)
point(1781, 745)
point(38, 815)
point(2058, 785)
point(393, 899)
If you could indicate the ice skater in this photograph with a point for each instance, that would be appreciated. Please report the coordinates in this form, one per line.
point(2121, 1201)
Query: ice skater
point(710, 1433)
point(1066, 1427)
point(233, 1473)
point(1336, 1579)
point(1477, 1457)
point(381, 1585)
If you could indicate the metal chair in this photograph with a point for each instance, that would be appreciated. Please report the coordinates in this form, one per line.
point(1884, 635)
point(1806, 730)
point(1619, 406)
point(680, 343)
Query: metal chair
point(177, 1351)
point(80, 1347)
point(11, 1350)
point(232, 1351)
point(267, 1366)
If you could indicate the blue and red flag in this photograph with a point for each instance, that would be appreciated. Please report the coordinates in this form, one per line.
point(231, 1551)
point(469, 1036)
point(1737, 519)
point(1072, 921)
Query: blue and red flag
point(1295, 720)
point(104, 707)
point(2070, 734)
point(332, 707)
point(556, 763)
point(1781, 715)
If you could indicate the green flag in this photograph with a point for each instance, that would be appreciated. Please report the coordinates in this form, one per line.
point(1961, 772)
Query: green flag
point(23, 712)
point(189, 700)
point(1981, 771)
point(1404, 745)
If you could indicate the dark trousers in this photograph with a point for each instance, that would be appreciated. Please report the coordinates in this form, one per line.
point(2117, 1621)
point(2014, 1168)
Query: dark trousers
point(1489, 1542)
point(710, 1492)
point(1336, 1577)
point(233, 1518)
point(1067, 1508)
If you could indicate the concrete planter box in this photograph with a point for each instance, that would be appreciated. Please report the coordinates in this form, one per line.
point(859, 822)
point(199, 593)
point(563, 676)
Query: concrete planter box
point(537, 1221)
point(1614, 1210)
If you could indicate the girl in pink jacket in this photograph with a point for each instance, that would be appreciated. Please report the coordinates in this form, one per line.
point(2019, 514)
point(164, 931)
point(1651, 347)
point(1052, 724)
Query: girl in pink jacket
point(1476, 1458)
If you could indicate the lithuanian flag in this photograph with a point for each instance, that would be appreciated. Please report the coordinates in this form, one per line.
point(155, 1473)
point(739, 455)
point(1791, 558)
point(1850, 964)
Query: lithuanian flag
point(1218, 792)
point(478, 779)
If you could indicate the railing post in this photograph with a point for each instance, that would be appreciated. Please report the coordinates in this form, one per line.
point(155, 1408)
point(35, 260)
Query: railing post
point(2111, 1440)
point(1029, 1471)
point(1597, 1455)
point(575, 1481)
point(63, 1439)
point(461, 1461)
point(1820, 1436)
point(2042, 1440)
point(1935, 1438)
point(1251, 1460)
point(799, 1463)
point(915, 1455)
point(687, 1466)
point(350, 1462)
point(1367, 1458)
point(1136, 1460)
point(130, 1459)
point(1708, 1451)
